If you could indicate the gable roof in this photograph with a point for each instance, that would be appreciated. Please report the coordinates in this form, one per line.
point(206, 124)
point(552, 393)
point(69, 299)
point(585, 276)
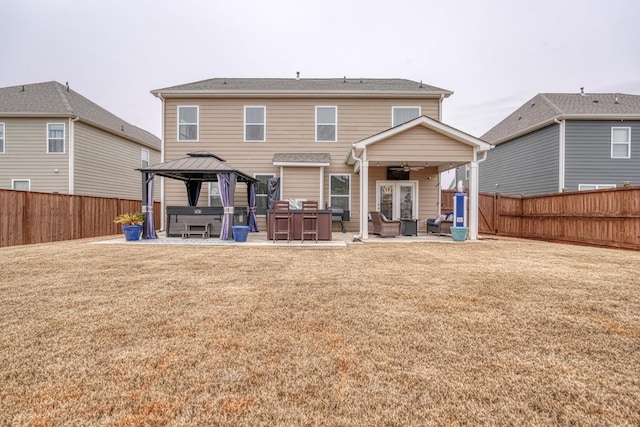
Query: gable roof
point(55, 99)
point(427, 122)
point(265, 86)
point(544, 108)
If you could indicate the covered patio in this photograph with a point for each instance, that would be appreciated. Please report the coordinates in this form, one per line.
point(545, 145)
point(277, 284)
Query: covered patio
point(421, 148)
point(193, 170)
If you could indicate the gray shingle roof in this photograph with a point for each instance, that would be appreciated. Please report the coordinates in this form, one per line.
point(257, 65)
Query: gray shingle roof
point(311, 158)
point(54, 98)
point(544, 107)
point(266, 85)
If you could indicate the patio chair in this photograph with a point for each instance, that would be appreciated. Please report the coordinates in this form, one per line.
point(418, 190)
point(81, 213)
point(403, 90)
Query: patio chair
point(282, 223)
point(384, 227)
point(440, 225)
point(310, 220)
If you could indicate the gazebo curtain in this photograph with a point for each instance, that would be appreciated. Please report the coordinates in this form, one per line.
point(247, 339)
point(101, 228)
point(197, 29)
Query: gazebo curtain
point(251, 190)
point(149, 229)
point(193, 191)
point(227, 186)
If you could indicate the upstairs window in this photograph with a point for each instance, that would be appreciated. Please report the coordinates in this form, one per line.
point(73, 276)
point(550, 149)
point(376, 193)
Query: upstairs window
point(1, 138)
point(340, 191)
point(326, 124)
point(620, 143)
point(262, 192)
point(254, 124)
point(188, 123)
point(144, 158)
point(55, 138)
point(402, 115)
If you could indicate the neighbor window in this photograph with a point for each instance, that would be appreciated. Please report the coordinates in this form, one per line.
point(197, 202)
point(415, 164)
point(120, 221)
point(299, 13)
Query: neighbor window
point(214, 195)
point(326, 123)
point(188, 122)
point(595, 186)
point(620, 143)
point(262, 192)
point(402, 115)
point(1, 137)
point(55, 138)
point(144, 158)
point(254, 123)
point(340, 191)
point(21, 184)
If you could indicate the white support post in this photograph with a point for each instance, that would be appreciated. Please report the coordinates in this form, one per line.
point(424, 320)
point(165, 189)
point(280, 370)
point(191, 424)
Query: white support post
point(473, 200)
point(364, 199)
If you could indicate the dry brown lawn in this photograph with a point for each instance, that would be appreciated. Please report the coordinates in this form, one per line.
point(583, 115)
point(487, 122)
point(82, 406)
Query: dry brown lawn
point(499, 332)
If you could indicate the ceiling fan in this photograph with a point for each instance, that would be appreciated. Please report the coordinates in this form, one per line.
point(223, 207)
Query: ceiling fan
point(406, 168)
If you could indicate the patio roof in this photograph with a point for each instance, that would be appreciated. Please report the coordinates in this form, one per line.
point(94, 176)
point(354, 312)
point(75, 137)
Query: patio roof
point(198, 166)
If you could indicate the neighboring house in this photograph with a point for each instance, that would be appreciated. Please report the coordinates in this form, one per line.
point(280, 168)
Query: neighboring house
point(357, 144)
point(52, 139)
point(564, 142)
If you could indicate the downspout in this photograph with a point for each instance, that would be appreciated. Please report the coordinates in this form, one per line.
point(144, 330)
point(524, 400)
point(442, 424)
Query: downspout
point(72, 150)
point(440, 107)
point(561, 153)
point(162, 157)
point(321, 187)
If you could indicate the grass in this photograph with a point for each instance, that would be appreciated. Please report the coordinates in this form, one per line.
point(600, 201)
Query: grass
point(500, 332)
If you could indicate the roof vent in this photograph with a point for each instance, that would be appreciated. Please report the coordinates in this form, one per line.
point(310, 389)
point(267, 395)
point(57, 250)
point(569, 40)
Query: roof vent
point(225, 81)
point(67, 84)
point(582, 91)
point(533, 104)
point(595, 101)
point(344, 80)
point(360, 79)
point(22, 88)
point(122, 128)
point(421, 85)
point(297, 75)
point(615, 102)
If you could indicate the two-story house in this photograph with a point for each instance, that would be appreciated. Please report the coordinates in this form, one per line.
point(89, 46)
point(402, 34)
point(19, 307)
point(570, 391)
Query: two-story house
point(564, 142)
point(358, 144)
point(54, 140)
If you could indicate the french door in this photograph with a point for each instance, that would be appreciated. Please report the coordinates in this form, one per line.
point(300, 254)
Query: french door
point(397, 199)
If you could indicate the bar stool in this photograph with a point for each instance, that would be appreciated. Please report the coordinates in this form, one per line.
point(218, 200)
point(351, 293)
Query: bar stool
point(310, 217)
point(281, 220)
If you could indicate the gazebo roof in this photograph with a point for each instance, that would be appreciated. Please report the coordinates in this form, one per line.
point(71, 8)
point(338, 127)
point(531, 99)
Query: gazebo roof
point(197, 166)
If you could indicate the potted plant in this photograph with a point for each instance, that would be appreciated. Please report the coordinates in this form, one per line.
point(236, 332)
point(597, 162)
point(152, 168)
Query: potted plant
point(131, 225)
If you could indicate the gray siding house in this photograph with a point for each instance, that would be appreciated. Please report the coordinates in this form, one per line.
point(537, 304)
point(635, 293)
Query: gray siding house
point(54, 140)
point(563, 142)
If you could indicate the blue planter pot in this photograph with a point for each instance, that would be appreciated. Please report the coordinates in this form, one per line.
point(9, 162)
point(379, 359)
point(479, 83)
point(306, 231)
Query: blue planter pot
point(459, 234)
point(132, 232)
point(240, 233)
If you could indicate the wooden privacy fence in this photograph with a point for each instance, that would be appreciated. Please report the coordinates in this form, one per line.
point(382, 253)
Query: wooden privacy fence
point(609, 217)
point(29, 217)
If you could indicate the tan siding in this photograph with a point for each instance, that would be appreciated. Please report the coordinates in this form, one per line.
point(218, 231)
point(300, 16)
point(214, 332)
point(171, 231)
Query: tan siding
point(290, 127)
point(26, 157)
point(301, 183)
point(419, 142)
point(105, 164)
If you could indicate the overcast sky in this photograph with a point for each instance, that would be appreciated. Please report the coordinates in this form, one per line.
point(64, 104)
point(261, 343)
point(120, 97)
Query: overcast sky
point(494, 55)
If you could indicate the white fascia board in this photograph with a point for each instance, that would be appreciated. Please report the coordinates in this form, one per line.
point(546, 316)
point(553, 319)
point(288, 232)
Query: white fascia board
point(297, 94)
point(301, 164)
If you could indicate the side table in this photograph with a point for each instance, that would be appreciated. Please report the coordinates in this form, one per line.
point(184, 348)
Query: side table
point(409, 227)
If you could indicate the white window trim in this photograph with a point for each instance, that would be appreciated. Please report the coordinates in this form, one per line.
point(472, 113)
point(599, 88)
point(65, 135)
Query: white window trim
point(335, 123)
point(628, 143)
point(273, 175)
point(13, 181)
point(264, 123)
point(3, 147)
point(144, 157)
point(64, 138)
point(596, 186)
point(403, 106)
point(350, 187)
point(197, 123)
